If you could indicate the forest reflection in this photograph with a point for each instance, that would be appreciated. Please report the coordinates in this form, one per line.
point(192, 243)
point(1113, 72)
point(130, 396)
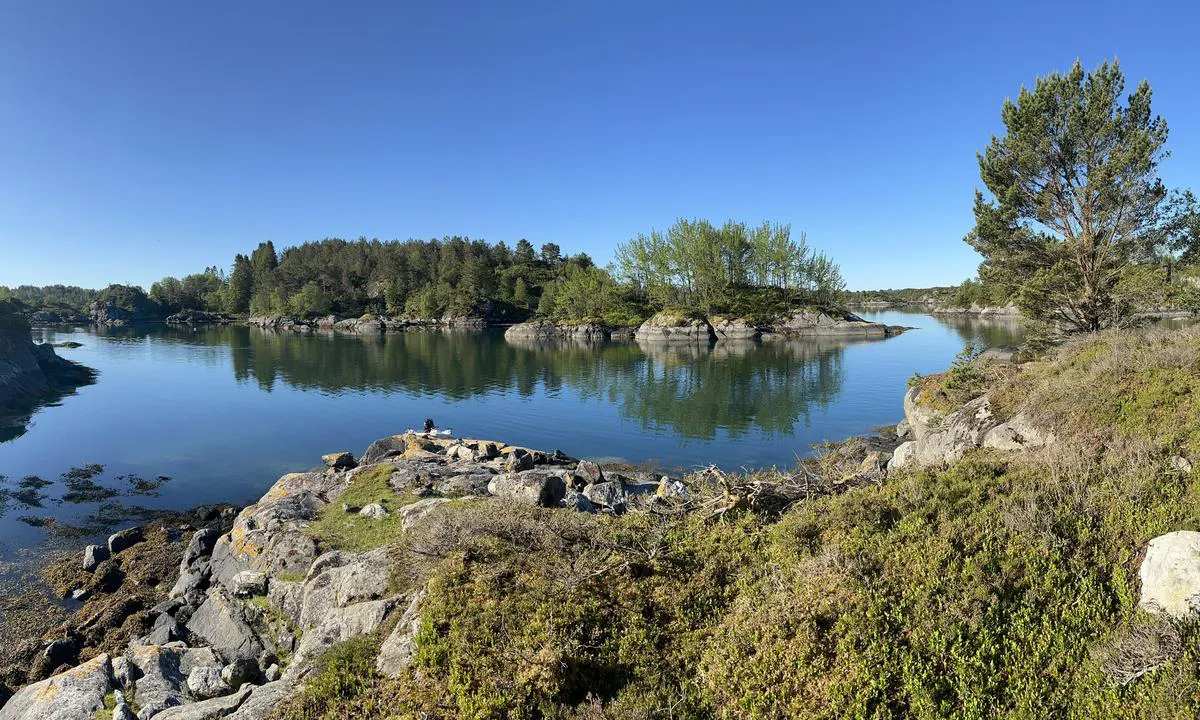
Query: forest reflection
point(695, 390)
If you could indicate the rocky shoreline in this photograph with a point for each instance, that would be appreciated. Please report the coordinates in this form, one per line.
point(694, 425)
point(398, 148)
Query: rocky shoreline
point(31, 375)
point(256, 599)
point(674, 327)
point(365, 325)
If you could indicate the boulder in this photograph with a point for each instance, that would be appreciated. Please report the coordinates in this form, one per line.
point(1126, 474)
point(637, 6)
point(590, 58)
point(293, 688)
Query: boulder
point(213, 709)
point(414, 513)
point(530, 487)
point(903, 455)
point(125, 539)
point(74, 694)
point(373, 510)
point(518, 461)
point(239, 672)
point(228, 626)
point(205, 682)
point(667, 326)
point(610, 494)
point(93, 555)
point(263, 701)
point(164, 672)
point(1170, 574)
point(1019, 433)
point(339, 460)
point(589, 471)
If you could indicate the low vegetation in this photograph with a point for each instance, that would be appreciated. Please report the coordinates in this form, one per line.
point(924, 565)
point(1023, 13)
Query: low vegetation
point(1002, 586)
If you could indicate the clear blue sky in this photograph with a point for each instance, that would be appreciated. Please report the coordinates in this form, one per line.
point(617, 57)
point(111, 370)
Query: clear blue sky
point(139, 139)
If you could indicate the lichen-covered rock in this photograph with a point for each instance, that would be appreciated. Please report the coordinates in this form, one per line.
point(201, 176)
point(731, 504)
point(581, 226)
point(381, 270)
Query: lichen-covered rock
point(338, 579)
point(529, 487)
point(1018, 433)
point(610, 494)
point(337, 625)
point(667, 326)
point(1170, 574)
point(726, 328)
point(248, 583)
point(397, 650)
point(205, 682)
point(549, 330)
point(74, 694)
point(228, 626)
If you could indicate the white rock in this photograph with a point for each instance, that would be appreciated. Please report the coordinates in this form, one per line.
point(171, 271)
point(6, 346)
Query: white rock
point(904, 454)
point(1170, 574)
point(374, 510)
point(206, 682)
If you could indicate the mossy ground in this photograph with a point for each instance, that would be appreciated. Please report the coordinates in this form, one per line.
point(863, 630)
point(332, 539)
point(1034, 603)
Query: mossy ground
point(1003, 586)
point(341, 530)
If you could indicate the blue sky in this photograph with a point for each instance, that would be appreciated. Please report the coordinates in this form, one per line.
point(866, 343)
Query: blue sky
point(139, 139)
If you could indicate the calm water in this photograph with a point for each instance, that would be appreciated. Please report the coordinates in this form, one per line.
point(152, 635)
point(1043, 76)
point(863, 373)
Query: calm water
point(223, 412)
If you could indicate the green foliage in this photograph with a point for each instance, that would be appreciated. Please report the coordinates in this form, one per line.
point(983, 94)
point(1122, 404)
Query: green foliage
point(131, 299)
point(193, 292)
point(1075, 197)
point(589, 294)
point(345, 672)
point(697, 264)
point(50, 297)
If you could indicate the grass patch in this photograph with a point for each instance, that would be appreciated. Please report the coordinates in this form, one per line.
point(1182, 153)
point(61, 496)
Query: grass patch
point(341, 530)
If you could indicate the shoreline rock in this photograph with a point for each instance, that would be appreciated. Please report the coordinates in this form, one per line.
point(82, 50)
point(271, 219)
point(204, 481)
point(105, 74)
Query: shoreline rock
point(364, 325)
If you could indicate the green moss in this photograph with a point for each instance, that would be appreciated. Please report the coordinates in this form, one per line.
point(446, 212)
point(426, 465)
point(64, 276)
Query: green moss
point(343, 673)
point(341, 530)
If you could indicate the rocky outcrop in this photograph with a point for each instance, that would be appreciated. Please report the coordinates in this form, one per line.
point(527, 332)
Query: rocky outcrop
point(940, 437)
point(255, 607)
point(74, 694)
point(58, 317)
point(817, 321)
point(1005, 311)
point(364, 325)
point(198, 317)
point(549, 330)
point(727, 328)
point(667, 326)
point(31, 374)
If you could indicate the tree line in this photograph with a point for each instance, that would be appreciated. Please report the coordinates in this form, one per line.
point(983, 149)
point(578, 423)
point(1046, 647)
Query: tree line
point(695, 265)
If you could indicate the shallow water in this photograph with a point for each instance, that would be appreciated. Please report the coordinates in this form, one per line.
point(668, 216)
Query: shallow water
point(222, 412)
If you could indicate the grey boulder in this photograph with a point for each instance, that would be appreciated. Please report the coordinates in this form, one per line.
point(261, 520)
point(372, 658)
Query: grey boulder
point(76, 693)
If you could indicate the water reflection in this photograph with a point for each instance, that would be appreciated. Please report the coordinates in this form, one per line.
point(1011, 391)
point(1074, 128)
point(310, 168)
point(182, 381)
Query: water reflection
point(985, 331)
point(694, 390)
